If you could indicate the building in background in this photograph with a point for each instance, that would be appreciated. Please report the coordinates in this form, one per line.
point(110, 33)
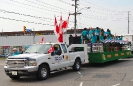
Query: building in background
point(10, 40)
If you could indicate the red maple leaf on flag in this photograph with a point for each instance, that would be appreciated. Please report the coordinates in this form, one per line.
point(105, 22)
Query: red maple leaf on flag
point(65, 22)
point(51, 50)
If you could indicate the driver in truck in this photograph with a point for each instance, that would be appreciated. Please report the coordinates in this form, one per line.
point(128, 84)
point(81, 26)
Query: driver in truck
point(55, 50)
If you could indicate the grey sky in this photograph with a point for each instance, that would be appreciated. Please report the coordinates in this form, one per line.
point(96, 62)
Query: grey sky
point(39, 14)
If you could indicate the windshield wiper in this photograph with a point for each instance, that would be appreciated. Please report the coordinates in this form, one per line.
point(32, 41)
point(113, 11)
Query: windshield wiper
point(36, 52)
point(26, 52)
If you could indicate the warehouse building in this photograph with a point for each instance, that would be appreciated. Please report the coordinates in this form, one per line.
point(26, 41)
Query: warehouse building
point(10, 40)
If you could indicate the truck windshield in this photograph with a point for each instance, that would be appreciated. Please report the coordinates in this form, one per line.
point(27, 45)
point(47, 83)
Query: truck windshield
point(40, 48)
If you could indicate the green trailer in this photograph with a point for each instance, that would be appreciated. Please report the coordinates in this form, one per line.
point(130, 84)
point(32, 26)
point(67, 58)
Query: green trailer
point(105, 52)
point(102, 57)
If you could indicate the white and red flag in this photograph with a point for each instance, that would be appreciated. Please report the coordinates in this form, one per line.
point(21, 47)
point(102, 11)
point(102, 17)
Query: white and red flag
point(60, 36)
point(65, 24)
point(51, 50)
point(61, 28)
point(56, 30)
point(42, 40)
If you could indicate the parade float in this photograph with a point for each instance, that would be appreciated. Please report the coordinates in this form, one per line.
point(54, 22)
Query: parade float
point(110, 50)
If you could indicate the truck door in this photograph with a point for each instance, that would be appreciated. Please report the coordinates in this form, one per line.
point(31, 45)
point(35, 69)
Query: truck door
point(58, 56)
point(65, 61)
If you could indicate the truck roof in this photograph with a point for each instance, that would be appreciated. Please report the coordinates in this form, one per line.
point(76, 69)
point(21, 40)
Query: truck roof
point(126, 35)
point(49, 43)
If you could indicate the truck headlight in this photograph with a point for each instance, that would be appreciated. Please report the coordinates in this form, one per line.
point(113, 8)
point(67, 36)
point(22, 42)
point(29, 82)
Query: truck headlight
point(32, 63)
point(6, 62)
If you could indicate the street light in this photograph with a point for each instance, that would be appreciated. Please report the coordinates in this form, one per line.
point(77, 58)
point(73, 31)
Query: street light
point(79, 10)
point(84, 8)
point(75, 14)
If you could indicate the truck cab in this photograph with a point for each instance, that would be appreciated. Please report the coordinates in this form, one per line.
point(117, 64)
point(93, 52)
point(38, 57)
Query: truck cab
point(42, 58)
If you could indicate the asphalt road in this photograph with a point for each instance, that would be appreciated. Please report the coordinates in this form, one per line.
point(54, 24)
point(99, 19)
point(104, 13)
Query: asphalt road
point(119, 73)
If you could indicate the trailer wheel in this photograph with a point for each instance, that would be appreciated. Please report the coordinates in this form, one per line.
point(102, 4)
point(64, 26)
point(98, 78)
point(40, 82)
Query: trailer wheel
point(14, 77)
point(77, 65)
point(43, 72)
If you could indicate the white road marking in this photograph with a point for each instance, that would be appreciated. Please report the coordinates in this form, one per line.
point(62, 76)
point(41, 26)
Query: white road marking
point(81, 84)
point(116, 84)
point(79, 72)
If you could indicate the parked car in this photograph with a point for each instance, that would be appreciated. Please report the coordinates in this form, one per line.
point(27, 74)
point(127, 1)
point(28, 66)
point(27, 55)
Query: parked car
point(4, 55)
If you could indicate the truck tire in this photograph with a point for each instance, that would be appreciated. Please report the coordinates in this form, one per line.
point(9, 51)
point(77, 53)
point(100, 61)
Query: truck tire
point(77, 65)
point(43, 72)
point(14, 77)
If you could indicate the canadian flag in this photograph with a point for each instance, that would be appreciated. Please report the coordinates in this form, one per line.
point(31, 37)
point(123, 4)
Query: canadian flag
point(61, 28)
point(56, 30)
point(65, 23)
point(51, 50)
point(60, 36)
point(42, 40)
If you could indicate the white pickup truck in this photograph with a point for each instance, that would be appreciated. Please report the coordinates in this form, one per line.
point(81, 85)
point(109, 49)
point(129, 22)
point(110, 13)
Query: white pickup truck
point(37, 60)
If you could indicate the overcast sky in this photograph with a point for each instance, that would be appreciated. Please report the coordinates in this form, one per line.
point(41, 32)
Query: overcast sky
point(39, 14)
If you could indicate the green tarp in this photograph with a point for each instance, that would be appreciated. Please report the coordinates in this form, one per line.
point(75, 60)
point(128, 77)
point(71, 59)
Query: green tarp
point(101, 57)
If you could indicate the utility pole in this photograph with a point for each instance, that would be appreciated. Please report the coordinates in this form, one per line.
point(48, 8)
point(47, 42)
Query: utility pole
point(75, 17)
point(128, 21)
point(34, 35)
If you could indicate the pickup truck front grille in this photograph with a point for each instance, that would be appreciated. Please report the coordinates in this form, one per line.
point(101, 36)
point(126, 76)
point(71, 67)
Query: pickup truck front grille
point(16, 63)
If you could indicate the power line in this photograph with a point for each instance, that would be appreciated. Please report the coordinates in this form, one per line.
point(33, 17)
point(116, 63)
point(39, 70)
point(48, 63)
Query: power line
point(49, 5)
point(65, 2)
point(34, 6)
point(103, 13)
point(105, 8)
point(26, 8)
point(30, 9)
point(41, 18)
point(23, 21)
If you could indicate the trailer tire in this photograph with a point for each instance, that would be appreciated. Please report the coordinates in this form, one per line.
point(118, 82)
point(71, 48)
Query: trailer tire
point(77, 65)
point(14, 77)
point(43, 72)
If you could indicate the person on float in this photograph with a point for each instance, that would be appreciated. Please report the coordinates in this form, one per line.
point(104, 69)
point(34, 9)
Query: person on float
point(84, 35)
point(97, 33)
point(101, 38)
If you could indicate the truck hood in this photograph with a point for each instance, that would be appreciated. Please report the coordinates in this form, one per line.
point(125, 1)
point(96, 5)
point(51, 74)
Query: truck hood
point(28, 55)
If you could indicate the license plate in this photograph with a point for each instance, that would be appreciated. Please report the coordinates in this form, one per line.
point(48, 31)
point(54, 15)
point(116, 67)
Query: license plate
point(14, 72)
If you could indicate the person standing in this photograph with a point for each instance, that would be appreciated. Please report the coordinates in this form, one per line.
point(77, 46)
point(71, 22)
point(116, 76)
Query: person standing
point(21, 51)
point(93, 38)
point(15, 52)
point(84, 35)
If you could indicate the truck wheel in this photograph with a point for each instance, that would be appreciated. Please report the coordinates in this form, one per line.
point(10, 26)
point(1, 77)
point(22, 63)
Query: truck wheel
point(77, 65)
point(14, 77)
point(43, 72)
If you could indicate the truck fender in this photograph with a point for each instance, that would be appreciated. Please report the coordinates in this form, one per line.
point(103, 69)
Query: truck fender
point(77, 64)
point(45, 63)
point(77, 58)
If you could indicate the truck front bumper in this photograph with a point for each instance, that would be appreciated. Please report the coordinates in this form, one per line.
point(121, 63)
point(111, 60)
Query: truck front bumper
point(25, 71)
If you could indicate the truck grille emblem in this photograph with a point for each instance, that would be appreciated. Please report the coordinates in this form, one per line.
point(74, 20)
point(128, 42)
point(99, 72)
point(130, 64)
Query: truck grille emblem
point(15, 62)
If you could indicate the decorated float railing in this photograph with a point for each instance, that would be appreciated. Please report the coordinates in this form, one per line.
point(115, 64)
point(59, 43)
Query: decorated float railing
point(109, 50)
